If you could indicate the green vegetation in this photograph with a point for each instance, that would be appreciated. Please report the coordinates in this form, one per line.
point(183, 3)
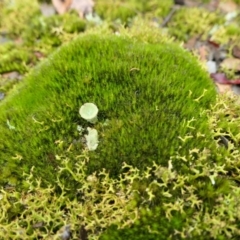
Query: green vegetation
point(125, 10)
point(199, 205)
point(158, 203)
point(15, 16)
point(167, 163)
point(41, 213)
point(14, 58)
point(36, 36)
point(141, 105)
point(28, 37)
point(192, 22)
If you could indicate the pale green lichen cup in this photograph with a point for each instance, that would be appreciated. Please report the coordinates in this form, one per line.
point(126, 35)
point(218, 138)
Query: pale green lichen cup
point(89, 111)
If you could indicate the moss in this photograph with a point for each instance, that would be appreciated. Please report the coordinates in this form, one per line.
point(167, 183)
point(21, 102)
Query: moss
point(148, 227)
point(169, 206)
point(143, 30)
point(14, 58)
point(154, 8)
point(226, 33)
point(72, 23)
point(33, 39)
point(112, 10)
point(191, 192)
point(149, 117)
point(47, 33)
point(226, 122)
point(125, 10)
point(157, 203)
point(6, 84)
point(17, 15)
point(189, 22)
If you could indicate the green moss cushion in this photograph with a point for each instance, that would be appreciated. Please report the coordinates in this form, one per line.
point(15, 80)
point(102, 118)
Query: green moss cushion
point(150, 100)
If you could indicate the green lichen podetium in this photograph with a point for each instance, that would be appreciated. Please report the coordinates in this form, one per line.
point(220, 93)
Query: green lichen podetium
point(152, 94)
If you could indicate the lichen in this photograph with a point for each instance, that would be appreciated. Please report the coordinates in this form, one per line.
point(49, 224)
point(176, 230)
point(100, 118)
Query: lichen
point(158, 203)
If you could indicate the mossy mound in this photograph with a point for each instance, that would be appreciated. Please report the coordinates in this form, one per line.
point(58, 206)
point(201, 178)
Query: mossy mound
point(151, 94)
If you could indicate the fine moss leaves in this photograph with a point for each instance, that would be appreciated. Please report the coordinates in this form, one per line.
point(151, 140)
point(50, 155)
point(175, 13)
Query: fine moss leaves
point(154, 112)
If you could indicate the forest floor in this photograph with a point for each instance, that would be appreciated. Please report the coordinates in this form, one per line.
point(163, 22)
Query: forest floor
point(31, 30)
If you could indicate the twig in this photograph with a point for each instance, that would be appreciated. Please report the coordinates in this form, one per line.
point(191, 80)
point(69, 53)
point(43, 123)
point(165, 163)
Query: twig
point(169, 16)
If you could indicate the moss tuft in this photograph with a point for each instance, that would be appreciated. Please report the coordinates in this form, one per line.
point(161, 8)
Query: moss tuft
point(189, 22)
point(14, 58)
point(17, 14)
point(152, 95)
point(125, 10)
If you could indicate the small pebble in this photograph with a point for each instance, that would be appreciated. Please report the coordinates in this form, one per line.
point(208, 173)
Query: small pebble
point(47, 10)
point(211, 66)
point(3, 39)
point(2, 96)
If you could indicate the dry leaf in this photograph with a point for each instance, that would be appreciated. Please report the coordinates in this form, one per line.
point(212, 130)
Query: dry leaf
point(203, 53)
point(236, 51)
point(231, 63)
point(212, 5)
point(83, 7)
point(219, 78)
point(191, 43)
point(222, 88)
point(39, 54)
point(61, 6)
point(227, 7)
point(222, 79)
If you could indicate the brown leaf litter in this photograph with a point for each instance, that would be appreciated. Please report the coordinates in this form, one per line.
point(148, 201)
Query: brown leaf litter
point(83, 7)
